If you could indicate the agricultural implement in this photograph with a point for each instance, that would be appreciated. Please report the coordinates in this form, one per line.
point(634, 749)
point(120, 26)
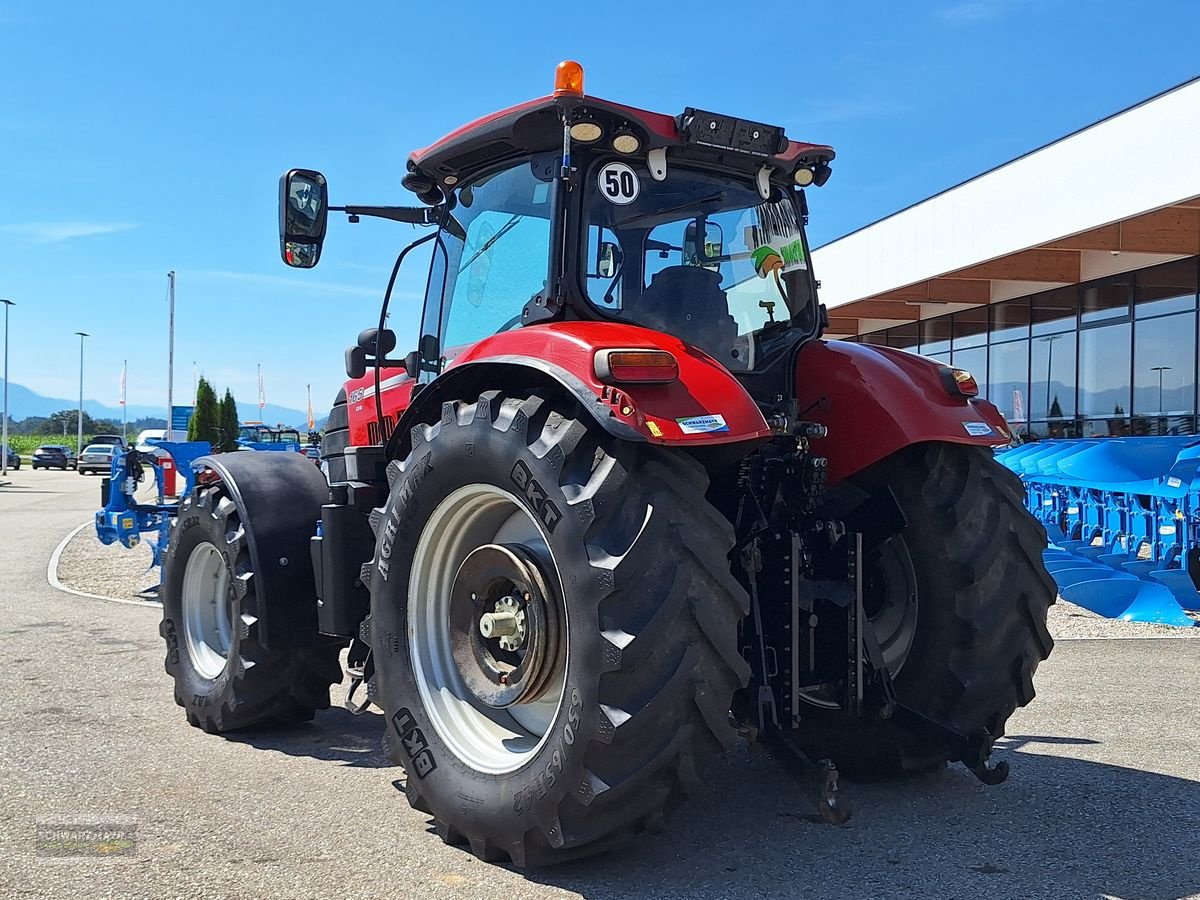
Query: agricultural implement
point(123, 518)
point(1123, 517)
point(619, 504)
point(256, 436)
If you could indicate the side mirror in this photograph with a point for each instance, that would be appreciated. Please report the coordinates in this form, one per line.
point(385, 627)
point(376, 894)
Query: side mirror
point(707, 252)
point(303, 213)
point(608, 260)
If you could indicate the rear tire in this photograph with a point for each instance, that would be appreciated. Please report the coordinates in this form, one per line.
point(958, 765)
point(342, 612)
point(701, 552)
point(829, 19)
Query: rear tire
point(225, 679)
point(981, 598)
point(644, 661)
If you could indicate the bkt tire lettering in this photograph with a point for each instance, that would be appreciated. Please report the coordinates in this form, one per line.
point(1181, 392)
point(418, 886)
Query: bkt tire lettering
point(535, 496)
point(413, 744)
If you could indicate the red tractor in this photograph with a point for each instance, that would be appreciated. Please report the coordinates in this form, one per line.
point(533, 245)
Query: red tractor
point(621, 502)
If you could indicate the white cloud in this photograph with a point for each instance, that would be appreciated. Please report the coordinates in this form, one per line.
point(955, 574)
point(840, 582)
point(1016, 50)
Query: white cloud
point(53, 232)
point(979, 10)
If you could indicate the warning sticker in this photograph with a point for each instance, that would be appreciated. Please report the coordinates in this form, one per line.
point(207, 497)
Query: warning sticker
point(702, 424)
point(978, 429)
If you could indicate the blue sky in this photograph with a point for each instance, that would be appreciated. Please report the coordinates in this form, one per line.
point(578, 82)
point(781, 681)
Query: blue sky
point(137, 138)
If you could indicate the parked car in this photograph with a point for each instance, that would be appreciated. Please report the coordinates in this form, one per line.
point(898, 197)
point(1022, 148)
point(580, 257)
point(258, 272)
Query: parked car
point(53, 456)
point(96, 458)
point(313, 453)
point(114, 439)
point(14, 459)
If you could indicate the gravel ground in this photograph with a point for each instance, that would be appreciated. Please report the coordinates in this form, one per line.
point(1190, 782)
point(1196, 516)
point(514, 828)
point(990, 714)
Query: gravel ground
point(87, 565)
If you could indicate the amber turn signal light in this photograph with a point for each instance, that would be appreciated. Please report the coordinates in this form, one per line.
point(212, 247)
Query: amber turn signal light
point(645, 366)
point(959, 382)
point(568, 79)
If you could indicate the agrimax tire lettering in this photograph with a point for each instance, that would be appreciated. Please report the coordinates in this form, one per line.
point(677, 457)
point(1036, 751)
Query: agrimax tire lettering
point(413, 744)
point(535, 496)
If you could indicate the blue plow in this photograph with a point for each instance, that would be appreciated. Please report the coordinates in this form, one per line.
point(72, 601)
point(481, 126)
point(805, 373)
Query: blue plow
point(1123, 518)
point(123, 519)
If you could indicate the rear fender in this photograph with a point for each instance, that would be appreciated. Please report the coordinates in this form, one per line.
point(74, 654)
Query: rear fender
point(278, 498)
point(877, 400)
point(705, 406)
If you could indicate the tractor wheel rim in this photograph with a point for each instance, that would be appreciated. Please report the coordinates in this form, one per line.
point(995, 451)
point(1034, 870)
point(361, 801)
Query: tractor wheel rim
point(492, 732)
point(207, 616)
point(890, 601)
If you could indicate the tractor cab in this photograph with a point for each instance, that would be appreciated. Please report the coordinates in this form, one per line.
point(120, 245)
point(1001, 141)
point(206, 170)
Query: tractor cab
point(570, 207)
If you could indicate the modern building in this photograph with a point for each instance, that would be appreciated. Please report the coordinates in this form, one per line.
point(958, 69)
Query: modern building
point(1064, 280)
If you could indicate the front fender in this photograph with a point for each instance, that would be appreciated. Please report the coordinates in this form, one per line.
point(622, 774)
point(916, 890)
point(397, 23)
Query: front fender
point(877, 400)
point(706, 405)
point(278, 498)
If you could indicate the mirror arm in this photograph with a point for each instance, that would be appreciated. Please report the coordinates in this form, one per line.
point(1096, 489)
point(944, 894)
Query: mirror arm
point(412, 215)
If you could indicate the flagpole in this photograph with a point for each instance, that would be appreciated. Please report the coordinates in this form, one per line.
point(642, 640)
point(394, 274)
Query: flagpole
point(124, 405)
point(171, 354)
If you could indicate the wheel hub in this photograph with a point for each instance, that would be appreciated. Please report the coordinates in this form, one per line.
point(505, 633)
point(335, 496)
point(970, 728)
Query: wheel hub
point(503, 625)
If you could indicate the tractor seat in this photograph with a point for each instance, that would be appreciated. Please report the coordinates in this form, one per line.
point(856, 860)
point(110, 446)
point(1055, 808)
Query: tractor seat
point(687, 302)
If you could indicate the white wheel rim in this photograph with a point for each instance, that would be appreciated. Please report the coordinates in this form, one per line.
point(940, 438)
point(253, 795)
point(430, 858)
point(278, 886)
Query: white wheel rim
point(495, 741)
point(207, 622)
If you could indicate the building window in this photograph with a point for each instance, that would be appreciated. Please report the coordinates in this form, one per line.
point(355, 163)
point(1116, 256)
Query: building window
point(1165, 289)
point(1105, 300)
point(1104, 365)
point(1008, 380)
point(1010, 320)
point(970, 328)
point(1055, 311)
point(1052, 373)
point(905, 337)
point(935, 338)
point(1164, 366)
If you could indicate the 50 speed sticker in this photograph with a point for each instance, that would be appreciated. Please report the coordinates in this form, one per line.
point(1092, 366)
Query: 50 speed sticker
point(618, 183)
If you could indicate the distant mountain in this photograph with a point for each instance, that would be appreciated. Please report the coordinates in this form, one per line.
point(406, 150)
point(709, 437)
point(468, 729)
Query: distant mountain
point(23, 403)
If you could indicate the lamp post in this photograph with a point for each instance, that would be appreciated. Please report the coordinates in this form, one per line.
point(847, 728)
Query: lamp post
point(1160, 370)
point(4, 439)
point(79, 448)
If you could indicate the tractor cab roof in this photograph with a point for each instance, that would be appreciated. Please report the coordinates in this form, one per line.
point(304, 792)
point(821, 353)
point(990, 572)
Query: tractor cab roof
point(537, 126)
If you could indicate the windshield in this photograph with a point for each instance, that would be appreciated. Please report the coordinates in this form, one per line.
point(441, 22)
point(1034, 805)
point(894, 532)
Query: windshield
point(699, 256)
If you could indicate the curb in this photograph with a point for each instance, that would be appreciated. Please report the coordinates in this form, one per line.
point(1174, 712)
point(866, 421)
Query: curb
point(52, 576)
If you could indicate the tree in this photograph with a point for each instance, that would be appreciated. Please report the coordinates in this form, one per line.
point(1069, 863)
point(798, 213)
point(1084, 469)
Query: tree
point(204, 424)
point(227, 416)
point(1055, 409)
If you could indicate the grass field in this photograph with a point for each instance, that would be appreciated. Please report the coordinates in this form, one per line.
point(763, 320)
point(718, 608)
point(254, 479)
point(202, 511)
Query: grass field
point(25, 444)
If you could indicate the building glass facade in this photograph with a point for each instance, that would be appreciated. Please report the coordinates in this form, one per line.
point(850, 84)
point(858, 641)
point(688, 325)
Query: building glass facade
point(1114, 356)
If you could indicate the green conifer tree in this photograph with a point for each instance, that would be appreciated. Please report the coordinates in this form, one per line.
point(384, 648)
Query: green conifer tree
point(227, 415)
point(204, 424)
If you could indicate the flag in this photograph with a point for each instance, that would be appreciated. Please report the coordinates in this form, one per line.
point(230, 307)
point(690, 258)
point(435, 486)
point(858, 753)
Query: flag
point(123, 369)
point(311, 422)
point(262, 394)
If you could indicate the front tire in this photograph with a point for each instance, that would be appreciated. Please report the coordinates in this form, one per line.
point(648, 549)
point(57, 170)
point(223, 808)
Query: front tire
point(623, 677)
point(225, 679)
point(959, 599)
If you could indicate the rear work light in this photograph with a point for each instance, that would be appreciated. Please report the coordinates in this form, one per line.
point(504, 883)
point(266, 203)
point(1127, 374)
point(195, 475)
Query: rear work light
point(644, 366)
point(959, 382)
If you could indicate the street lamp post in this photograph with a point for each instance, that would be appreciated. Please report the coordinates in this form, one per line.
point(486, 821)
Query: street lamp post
point(1160, 370)
point(79, 448)
point(4, 439)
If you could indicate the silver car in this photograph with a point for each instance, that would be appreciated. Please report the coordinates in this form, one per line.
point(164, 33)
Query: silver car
point(96, 458)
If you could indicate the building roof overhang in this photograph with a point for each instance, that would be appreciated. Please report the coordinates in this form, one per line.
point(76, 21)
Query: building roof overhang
point(1118, 195)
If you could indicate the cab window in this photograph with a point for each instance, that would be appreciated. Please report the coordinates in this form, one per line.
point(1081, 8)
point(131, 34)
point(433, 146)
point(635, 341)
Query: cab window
point(497, 255)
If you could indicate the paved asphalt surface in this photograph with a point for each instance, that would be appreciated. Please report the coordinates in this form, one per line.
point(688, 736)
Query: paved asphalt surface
point(1103, 800)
